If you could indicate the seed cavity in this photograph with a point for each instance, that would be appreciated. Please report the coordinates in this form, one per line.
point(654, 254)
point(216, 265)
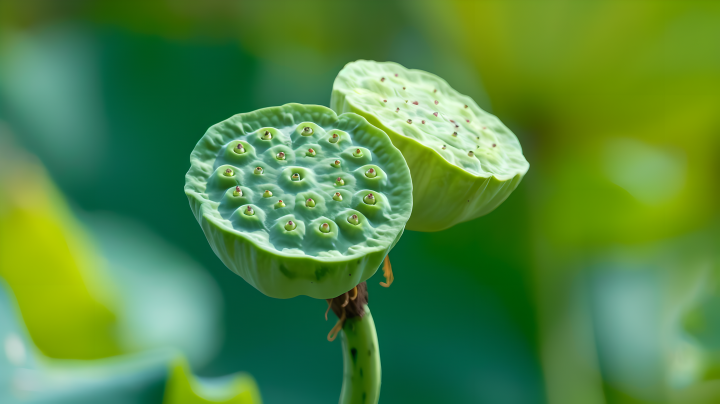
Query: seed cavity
point(337, 196)
point(325, 228)
point(237, 192)
point(290, 225)
point(371, 173)
point(239, 149)
point(258, 170)
point(409, 121)
point(295, 177)
point(229, 172)
point(471, 154)
point(310, 203)
point(353, 219)
point(280, 204)
point(267, 135)
point(267, 193)
point(311, 153)
point(249, 211)
point(357, 153)
point(339, 181)
point(280, 156)
point(307, 131)
point(369, 199)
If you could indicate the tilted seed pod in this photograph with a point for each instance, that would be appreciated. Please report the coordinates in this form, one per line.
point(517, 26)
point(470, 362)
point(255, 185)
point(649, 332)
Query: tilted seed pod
point(464, 162)
point(304, 245)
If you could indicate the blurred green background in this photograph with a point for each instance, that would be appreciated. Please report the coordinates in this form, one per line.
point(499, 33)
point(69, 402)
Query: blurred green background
point(595, 282)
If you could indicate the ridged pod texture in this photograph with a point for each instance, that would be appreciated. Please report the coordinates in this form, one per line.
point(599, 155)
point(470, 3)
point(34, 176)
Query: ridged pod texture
point(464, 162)
point(298, 200)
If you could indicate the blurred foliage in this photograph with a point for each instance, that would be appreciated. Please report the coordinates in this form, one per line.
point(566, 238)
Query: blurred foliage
point(559, 296)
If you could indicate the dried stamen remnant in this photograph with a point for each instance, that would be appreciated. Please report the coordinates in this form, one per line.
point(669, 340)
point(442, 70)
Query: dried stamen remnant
point(295, 177)
point(307, 131)
point(249, 211)
point(310, 203)
point(239, 149)
point(334, 138)
point(357, 153)
point(258, 170)
point(280, 204)
point(290, 225)
point(371, 173)
point(353, 219)
point(311, 152)
point(267, 193)
point(325, 228)
point(267, 135)
point(339, 181)
point(337, 196)
point(336, 163)
point(228, 172)
point(237, 192)
point(471, 153)
point(280, 156)
point(369, 199)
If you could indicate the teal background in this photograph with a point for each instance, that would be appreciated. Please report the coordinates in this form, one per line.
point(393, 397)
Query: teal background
point(573, 291)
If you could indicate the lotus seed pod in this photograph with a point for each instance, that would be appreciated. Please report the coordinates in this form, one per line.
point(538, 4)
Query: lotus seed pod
point(326, 253)
point(451, 185)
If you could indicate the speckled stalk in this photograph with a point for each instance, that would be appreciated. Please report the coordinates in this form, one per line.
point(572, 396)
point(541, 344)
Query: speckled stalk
point(361, 357)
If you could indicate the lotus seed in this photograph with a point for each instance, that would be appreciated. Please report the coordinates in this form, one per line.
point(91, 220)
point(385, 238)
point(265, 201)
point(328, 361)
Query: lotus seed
point(409, 121)
point(311, 152)
point(436, 102)
point(325, 228)
point(435, 91)
point(280, 156)
point(397, 109)
point(454, 134)
point(310, 203)
point(239, 149)
point(369, 199)
point(267, 193)
point(371, 173)
point(337, 196)
point(307, 131)
point(290, 225)
point(443, 147)
point(267, 135)
point(467, 120)
point(339, 182)
point(357, 153)
point(295, 177)
point(396, 74)
point(336, 163)
point(249, 211)
point(334, 138)
point(384, 100)
point(280, 204)
point(471, 154)
point(382, 79)
point(229, 172)
point(415, 103)
point(258, 170)
point(435, 113)
point(423, 122)
point(403, 88)
point(353, 219)
point(237, 192)
point(494, 145)
point(465, 105)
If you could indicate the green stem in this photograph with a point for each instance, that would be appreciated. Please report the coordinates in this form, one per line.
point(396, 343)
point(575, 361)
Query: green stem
point(361, 356)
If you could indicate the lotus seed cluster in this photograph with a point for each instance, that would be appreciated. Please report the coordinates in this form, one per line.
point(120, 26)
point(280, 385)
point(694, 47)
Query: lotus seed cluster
point(303, 188)
point(425, 108)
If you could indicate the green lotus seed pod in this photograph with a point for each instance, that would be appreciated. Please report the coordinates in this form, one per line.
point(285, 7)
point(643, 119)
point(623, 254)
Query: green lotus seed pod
point(463, 160)
point(323, 254)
